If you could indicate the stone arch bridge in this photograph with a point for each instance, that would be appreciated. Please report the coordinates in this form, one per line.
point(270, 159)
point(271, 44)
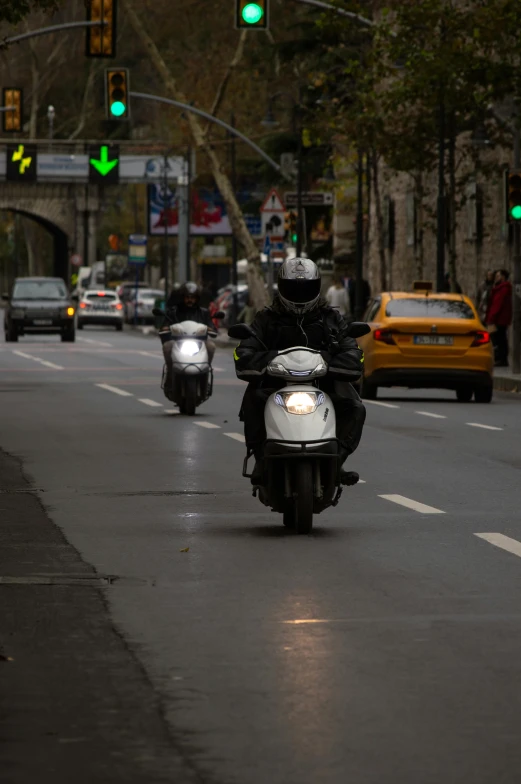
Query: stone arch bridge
point(69, 212)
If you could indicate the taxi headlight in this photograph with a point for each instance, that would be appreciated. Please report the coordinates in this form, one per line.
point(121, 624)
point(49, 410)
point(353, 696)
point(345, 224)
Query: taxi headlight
point(189, 347)
point(299, 402)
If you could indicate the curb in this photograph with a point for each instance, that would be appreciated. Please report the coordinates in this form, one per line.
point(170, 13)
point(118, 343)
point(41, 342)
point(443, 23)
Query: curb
point(507, 384)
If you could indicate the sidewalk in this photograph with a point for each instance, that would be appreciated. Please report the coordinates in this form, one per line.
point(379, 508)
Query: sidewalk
point(506, 381)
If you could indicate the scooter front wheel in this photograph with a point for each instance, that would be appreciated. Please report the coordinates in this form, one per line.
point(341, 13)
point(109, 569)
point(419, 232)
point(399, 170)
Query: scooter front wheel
point(303, 496)
point(190, 401)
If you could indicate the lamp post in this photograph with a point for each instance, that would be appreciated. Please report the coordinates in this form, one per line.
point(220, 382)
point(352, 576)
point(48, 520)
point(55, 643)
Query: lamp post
point(51, 114)
point(270, 122)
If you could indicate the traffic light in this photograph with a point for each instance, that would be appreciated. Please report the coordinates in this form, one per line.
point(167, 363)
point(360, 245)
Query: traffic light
point(101, 41)
point(117, 87)
point(514, 196)
point(251, 14)
point(12, 120)
point(293, 227)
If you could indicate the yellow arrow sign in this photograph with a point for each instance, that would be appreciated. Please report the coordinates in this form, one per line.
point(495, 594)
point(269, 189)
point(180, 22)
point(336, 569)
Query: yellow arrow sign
point(18, 155)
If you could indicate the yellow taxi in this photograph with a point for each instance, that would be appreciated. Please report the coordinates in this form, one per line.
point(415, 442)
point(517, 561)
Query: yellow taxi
point(422, 339)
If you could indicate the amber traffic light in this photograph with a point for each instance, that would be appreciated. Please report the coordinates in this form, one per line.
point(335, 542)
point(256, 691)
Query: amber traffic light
point(117, 93)
point(12, 120)
point(101, 40)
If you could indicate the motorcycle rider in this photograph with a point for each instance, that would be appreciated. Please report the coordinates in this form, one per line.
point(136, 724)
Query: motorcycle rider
point(300, 317)
point(187, 308)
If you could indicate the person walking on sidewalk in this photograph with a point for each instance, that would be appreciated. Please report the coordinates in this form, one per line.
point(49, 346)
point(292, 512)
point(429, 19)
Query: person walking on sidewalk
point(336, 297)
point(483, 295)
point(499, 315)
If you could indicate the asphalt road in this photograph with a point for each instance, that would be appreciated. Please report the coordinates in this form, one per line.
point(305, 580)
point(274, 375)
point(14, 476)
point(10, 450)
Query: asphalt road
point(384, 649)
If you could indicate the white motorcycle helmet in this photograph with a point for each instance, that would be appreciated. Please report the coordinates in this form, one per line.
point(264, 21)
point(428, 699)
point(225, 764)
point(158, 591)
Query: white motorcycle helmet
point(299, 285)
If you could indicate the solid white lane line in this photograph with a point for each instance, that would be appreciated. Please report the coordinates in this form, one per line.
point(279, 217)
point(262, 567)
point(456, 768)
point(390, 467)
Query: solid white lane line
point(116, 391)
point(219, 370)
point(380, 403)
point(149, 402)
point(410, 504)
point(505, 542)
point(361, 482)
point(208, 425)
point(150, 354)
point(172, 412)
point(485, 427)
point(236, 436)
point(40, 361)
point(94, 342)
point(430, 414)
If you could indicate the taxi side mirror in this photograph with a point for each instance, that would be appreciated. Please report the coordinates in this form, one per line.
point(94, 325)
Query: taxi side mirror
point(357, 329)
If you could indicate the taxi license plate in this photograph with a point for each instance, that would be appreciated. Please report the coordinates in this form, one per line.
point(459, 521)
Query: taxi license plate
point(42, 322)
point(434, 340)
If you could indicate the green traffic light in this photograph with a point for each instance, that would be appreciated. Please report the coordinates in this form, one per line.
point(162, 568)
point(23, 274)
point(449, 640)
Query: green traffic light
point(117, 108)
point(516, 212)
point(252, 13)
point(294, 239)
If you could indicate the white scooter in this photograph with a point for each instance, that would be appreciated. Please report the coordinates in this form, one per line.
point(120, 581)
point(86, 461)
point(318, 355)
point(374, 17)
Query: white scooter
point(301, 451)
point(192, 376)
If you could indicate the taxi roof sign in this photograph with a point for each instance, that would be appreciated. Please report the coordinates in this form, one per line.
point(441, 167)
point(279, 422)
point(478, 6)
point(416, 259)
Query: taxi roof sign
point(422, 285)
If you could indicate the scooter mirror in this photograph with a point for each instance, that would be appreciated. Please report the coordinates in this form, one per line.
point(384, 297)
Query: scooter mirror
point(240, 332)
point(357, 329)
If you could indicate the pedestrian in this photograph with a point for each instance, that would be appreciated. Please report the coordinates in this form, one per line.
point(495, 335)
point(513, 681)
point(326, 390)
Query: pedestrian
point(247, 314)
point(351, 292)
point(483, 295)
point(336, 297)
point(499, 315)
point(447, 285)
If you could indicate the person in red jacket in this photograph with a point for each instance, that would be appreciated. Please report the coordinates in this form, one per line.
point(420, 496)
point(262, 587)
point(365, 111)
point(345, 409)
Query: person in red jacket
point(499, 315)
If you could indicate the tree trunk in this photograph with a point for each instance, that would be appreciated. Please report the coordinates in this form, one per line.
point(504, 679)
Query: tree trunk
point(452, 208)
point(380, 229)
point(418, 240)
point(255, 280)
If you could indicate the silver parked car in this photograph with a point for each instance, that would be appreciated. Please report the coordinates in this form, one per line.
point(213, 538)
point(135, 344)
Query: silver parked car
point(140, 308)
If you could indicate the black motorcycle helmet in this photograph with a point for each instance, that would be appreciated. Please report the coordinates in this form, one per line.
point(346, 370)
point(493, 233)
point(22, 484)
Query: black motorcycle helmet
point(299, 285)
point(190, 291)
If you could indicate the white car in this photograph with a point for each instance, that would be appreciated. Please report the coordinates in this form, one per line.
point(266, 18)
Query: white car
point(140, 309)
point(100, 306)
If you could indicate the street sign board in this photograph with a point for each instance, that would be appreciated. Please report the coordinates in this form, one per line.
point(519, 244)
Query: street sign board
point(104, 164)
point(310, 199)
point(76, 260)
point(272, 215)
point(21, 162)
point(137, 248)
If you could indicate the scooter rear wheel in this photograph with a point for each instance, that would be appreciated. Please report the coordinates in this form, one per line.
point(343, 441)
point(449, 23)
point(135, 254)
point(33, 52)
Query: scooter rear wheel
point(303, 501)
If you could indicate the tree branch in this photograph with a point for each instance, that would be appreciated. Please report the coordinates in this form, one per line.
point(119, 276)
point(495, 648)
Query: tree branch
point(237, 57)
point(86, 96)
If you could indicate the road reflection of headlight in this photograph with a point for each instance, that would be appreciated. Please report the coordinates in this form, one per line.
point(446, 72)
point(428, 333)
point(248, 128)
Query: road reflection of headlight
point(301, 402)
point(189, 347)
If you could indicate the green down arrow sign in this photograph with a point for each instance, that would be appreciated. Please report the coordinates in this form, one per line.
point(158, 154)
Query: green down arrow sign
point(104, 164)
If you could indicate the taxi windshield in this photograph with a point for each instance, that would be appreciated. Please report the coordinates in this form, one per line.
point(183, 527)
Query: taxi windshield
point(428, 307)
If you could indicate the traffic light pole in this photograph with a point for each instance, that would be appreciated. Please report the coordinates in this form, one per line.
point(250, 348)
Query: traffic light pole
point(516, 300)
point(359, 259)
point(165, 224)
point(14, 39)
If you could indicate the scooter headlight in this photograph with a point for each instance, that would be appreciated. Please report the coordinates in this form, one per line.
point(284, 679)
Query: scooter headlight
point(299, 402)
point(189, 348)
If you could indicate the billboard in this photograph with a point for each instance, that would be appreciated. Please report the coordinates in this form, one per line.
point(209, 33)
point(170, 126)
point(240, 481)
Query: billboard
point(208, 212)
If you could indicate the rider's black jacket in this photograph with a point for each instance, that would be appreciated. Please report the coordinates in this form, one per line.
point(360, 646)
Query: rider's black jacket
point(180, 312)
point(276, 329)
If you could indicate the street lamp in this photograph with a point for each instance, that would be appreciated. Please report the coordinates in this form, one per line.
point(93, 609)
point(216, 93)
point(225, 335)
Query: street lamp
point(270, 122)
point(51, 114)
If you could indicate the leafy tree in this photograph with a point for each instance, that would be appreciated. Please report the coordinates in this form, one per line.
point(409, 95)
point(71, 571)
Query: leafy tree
point(13, 11)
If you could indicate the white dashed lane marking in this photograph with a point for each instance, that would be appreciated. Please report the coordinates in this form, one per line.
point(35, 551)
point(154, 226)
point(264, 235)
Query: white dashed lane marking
point(115, 390)
point(151, 403)
point(484, 427)
point(410, 504)
point(40, 361)
point(430, 414)
point(380, 403)
point(236, 436)
point(94, 342)
point(502, 541)
point(208, 425)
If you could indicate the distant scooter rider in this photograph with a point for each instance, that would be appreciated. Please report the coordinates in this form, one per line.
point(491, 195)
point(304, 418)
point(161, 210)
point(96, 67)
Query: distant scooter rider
point(300, 317)
point(186, 309)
